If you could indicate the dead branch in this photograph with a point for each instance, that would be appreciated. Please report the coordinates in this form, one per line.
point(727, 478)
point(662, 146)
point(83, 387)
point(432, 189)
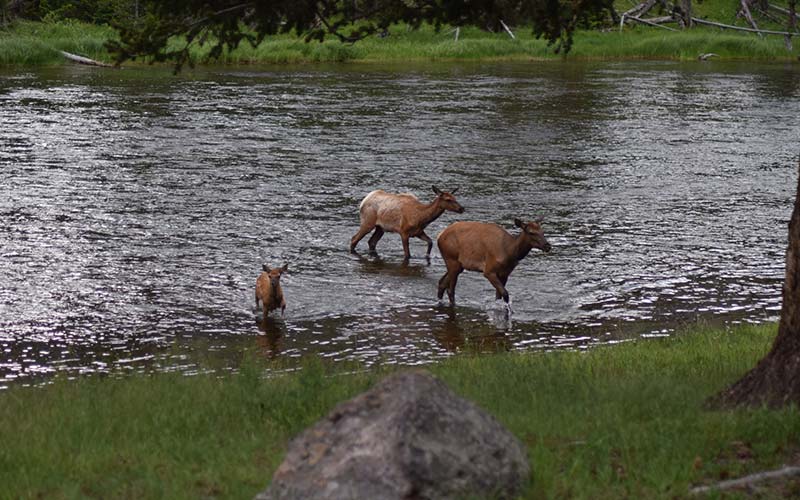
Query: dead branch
point(747, 480)
point(745, 11)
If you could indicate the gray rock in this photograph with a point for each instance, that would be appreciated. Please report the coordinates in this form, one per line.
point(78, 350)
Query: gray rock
point(409, 437)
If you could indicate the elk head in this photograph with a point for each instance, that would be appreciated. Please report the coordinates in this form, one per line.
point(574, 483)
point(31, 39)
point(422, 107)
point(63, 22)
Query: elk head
point(533, 234)
point(275, 274)
point(447, 201)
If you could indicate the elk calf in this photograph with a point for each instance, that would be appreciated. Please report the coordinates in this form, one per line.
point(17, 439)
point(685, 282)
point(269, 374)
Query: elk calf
point(486, 248)
point(403, 214)
point(269, 293)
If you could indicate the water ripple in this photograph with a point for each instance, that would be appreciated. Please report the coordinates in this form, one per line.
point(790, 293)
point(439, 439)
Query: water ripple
point(136, 208)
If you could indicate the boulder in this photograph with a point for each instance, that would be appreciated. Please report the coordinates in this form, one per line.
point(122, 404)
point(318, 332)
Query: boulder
point(409, 437)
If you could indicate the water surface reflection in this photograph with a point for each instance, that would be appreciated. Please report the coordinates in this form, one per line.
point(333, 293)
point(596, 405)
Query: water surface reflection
point(136, 207)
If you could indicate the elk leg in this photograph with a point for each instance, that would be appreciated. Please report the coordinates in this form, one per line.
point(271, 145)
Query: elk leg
point(497, 283)
point(362, 231)
point(443, 283)
point(424, 237)
point(376, 236)
point(451, 289)
point(406, 251)
point(503, 280)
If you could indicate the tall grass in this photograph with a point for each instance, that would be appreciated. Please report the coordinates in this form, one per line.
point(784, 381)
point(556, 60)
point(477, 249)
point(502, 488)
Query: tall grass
point(645, 43)
point(37, 43)
point(619, 422)
point(29, 43)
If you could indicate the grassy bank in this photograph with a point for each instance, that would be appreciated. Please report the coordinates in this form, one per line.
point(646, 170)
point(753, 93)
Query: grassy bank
point(27, 43)
point(618, 422)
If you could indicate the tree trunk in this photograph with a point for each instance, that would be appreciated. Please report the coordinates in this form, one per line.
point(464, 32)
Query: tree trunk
point(775, 381)
point(686, 13)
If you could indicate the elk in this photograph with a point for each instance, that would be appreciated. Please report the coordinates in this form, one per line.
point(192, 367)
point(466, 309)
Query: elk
point(403, 214)
point(268, 289)
point(486, 248)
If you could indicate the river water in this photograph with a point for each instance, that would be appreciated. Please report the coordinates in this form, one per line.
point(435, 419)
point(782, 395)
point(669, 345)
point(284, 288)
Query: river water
point(136, 207)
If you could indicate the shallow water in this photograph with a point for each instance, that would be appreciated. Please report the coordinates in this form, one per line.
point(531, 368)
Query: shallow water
point(136, 207)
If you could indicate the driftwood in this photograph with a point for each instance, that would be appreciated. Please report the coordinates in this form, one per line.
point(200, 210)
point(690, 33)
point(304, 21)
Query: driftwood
point(737, 28)
point(84, 60)
point(747, 480)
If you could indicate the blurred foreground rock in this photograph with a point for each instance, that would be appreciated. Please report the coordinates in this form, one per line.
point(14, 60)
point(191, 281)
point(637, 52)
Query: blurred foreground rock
point(409, 437)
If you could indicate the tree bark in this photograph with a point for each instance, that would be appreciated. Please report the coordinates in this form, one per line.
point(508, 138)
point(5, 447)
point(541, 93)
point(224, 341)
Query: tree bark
point(686, 13)
point(775, 381)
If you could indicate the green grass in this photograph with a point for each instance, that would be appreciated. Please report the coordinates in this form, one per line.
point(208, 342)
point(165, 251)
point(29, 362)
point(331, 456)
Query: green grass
point(624, 421)
point(31, 43)
point(427, 45)
point(28, 43)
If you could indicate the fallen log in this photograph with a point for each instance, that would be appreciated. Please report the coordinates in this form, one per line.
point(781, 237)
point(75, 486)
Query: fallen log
point(660, 20)
point(737, 28)
point(648, 22)
point(84, 60)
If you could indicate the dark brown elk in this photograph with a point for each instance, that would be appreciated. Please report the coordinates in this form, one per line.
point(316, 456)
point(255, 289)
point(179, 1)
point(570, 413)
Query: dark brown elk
point(486, 248)
point(403, 214)
point(269, 293)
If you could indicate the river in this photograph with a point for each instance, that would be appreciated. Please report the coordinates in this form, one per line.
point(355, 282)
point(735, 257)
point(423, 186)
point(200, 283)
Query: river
point(136, 207)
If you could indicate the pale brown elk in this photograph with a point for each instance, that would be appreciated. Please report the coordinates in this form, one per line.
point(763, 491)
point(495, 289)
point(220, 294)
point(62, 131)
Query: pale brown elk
point(403, 214)
point(269, 293)
point(486, 248)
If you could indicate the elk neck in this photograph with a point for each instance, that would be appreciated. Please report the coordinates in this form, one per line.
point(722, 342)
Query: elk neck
point(521, 247)
point(275, 290)
point(430, 212)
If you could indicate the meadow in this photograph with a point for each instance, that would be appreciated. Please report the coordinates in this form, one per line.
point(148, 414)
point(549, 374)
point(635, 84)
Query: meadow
point(623, 421)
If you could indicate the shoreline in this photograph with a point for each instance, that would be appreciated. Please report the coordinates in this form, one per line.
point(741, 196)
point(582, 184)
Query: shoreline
point(626, 420)
point(38, 44)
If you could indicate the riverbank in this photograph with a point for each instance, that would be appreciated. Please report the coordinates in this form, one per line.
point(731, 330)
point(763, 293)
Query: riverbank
point(30, 43)
point(624, 421)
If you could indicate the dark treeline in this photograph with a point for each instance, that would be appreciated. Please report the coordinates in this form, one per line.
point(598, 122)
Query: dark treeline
point(91, 11)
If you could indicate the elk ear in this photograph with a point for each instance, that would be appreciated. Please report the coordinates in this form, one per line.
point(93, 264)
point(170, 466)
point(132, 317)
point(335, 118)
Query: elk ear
point(436, 190)
point(265, 268)
point(454, 191)
point(285, 268)
point(519, 223)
